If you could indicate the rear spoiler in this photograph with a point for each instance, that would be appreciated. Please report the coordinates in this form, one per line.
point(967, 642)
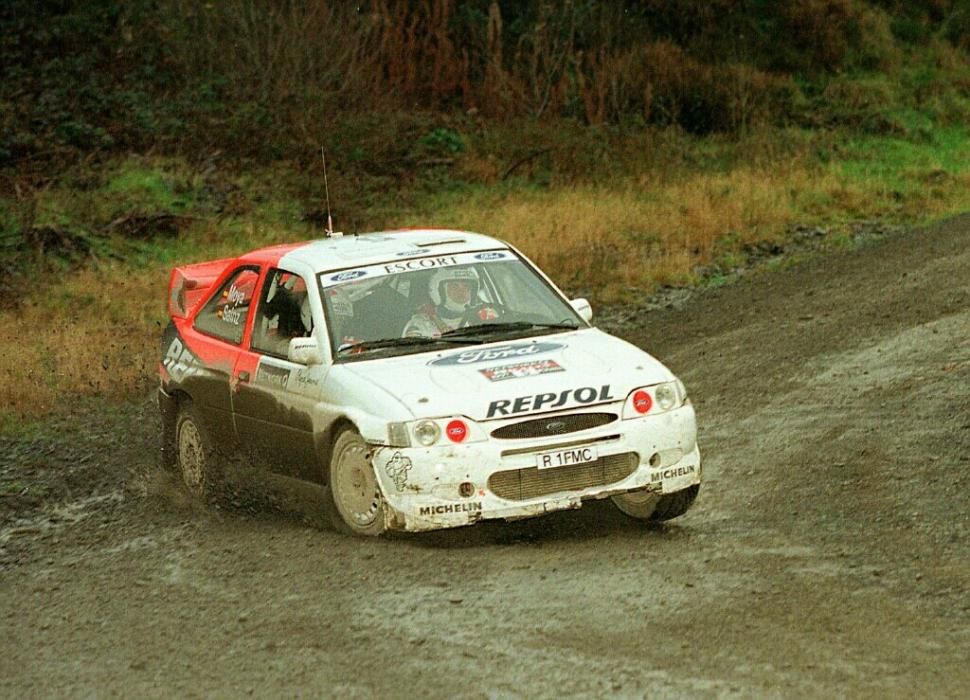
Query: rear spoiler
point(188, 284)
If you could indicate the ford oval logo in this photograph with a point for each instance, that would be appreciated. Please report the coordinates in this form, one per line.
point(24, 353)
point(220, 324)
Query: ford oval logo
point(556, 426)
point(418, 251)
point(347, 276)
point(490, 256)
point(512, 351)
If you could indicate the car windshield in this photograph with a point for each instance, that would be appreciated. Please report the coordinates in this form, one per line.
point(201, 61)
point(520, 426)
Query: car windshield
point(428, 303)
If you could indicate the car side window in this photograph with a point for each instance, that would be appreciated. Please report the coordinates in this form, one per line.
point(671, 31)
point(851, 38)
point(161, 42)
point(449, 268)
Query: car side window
point(283, 313)
point(224, 315)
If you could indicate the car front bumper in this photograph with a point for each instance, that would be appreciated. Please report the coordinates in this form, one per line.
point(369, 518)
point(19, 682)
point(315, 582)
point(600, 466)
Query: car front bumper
point(450, 485)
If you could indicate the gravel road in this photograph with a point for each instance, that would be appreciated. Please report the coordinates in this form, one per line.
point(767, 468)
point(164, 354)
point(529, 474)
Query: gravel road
point(828, 553)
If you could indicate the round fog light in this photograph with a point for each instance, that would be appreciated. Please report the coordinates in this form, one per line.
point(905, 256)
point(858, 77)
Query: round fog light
point(466, 489)
point(655, 460)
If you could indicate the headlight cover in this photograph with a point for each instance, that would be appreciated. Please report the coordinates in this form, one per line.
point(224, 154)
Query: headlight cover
point(426, 432)
point(654, 399)
point(431, 431)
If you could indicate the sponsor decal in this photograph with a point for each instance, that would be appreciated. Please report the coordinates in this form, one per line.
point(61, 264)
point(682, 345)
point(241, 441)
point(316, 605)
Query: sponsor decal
point(521, 369)
point(421, 264)
point(549, 401)
point(348, 275)
point(272, 376)
point(307, 378)
point(179, 360)
point(502, 352)
point(231, 313)
point(372, 272)
point(673, 473)
point(447, 508)
point(398, 469)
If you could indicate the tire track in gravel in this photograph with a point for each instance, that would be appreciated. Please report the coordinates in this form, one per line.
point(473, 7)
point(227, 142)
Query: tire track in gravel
point(829, 552)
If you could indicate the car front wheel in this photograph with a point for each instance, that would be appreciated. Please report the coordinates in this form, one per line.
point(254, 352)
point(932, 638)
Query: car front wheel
point(645, 505)
point(637, 504)
point(357, 500)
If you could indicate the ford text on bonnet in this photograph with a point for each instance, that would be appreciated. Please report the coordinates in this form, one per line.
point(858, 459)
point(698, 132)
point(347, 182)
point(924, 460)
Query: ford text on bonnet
point(428, 379)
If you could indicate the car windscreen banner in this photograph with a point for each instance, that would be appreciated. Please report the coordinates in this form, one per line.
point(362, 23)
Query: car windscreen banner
point(394, 267)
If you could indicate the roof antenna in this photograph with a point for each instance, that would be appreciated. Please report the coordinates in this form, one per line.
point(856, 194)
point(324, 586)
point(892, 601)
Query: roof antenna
point(330, 232)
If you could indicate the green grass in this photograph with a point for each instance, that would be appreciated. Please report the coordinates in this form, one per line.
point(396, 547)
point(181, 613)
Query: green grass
point(608, 215)
point(911, 180)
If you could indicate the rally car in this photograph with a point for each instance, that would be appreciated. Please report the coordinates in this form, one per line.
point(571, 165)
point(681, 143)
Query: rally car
point(427, 378)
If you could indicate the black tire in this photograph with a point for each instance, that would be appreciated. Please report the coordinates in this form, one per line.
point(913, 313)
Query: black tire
point(675, 504)
point(356, 501)
point(199, 463)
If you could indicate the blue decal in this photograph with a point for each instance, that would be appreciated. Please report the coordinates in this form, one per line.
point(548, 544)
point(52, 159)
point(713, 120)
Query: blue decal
point(347, 276)
point(500, 352)
point(490, 256)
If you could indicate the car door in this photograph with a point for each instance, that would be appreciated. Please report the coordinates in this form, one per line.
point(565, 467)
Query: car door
point(273, 398)
point(200, 355)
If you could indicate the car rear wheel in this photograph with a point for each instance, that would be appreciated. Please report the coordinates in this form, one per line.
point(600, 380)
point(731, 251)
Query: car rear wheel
point(357, 499)
point(197, 460)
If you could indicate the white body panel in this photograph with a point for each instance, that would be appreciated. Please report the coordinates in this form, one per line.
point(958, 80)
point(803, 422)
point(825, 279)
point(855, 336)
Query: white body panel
point(490, 386)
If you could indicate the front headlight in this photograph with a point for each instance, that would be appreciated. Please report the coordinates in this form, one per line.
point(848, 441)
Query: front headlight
point(427, 432)
point(658, 398)
point(666, 395)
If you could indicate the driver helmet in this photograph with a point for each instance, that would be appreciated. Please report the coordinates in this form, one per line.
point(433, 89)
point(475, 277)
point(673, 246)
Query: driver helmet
point(439, 289)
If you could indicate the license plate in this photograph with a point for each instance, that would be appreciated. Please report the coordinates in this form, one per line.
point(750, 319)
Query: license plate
point(564, 458)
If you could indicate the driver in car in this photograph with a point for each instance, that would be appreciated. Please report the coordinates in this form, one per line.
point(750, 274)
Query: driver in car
point(455, 303)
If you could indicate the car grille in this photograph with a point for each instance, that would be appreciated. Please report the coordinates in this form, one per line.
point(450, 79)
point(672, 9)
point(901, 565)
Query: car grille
point(532, 482)
point(553, 425)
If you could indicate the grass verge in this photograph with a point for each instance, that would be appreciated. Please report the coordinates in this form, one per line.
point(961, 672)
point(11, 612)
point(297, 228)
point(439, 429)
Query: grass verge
point(90, 327)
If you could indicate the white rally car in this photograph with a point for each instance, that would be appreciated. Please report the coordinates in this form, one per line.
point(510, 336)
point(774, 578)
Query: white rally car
point(428, 378)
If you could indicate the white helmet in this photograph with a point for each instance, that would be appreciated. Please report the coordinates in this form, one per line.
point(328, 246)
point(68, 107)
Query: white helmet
point(457, 274)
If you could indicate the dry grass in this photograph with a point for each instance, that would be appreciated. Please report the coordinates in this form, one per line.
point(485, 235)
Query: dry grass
point(95, 333)
point(614, 242)
point(81, 341)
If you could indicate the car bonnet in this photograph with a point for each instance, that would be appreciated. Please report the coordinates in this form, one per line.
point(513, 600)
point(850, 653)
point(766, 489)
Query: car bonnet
point(517, 377)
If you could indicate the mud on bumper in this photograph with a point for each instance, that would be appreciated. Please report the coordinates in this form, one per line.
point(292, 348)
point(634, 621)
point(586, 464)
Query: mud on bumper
point(440, 502)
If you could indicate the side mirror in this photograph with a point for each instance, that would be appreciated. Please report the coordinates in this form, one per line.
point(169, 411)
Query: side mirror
point(582, 307)
point(304, 351)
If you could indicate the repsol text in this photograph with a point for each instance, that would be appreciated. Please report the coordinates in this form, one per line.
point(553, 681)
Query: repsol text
point(549, 401)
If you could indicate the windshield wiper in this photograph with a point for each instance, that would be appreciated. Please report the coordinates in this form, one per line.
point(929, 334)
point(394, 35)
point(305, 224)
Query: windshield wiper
point(511, 326)
point(365, 345)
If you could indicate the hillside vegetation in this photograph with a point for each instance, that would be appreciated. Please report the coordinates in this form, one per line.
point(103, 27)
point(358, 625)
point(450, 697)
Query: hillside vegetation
point(623, 145)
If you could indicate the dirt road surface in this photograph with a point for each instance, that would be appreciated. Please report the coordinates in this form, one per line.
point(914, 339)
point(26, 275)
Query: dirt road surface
point(828, 553)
